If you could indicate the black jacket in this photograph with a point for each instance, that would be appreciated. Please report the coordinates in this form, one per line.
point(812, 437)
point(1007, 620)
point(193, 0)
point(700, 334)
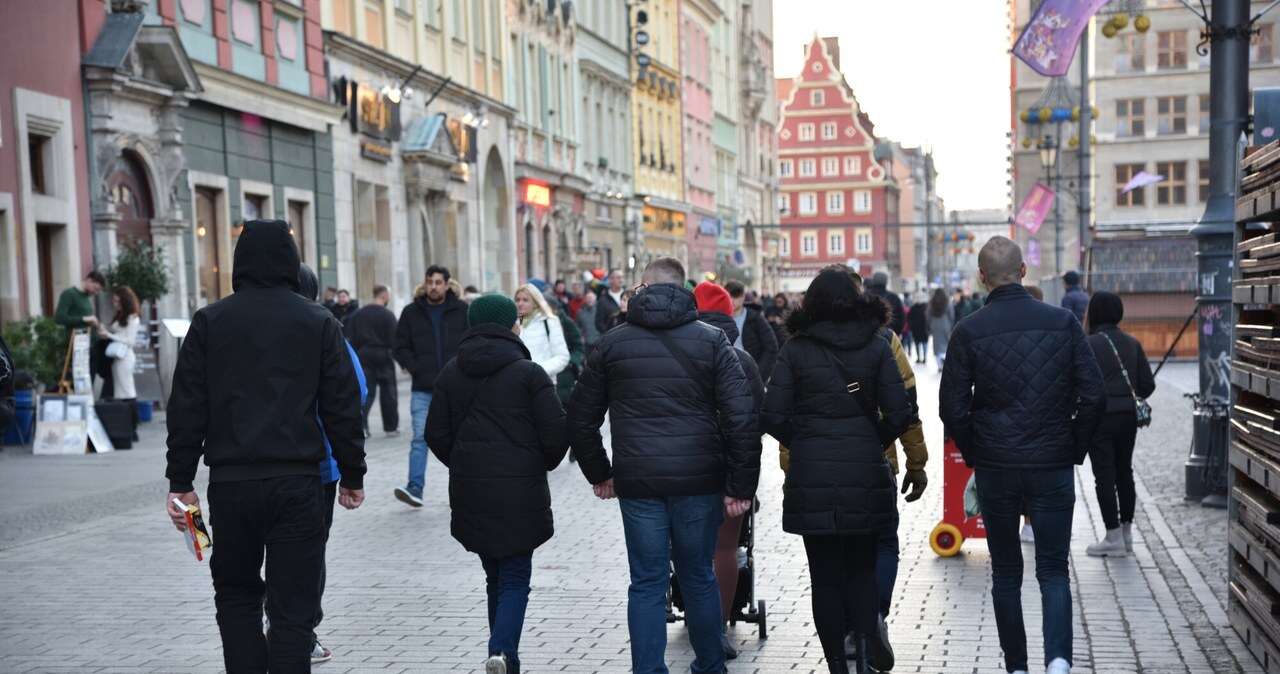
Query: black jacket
point(606, 312)
point(416, 348)
point(749, 367)
point(897, 319)
point(1119, 398)
point(759, 339)
point(8, 373)
point(667, 427)
point(498, 455)
point(918, 318)
point(254, 371)
point(344, 312)
point(839, 481)
point(1021, 388)
point(372, 333)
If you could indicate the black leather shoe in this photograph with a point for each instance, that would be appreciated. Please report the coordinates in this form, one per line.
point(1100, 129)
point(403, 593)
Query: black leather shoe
point(880, 652)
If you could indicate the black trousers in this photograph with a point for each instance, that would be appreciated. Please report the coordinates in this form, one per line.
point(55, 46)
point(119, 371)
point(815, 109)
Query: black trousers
point(842, 571)
point(1112, 461)
point(329, 494)
point(382, 377)
point(100, 365)
point(282, 521)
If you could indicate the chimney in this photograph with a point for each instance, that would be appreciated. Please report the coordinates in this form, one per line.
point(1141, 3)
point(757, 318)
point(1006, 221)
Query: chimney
point(833, 49)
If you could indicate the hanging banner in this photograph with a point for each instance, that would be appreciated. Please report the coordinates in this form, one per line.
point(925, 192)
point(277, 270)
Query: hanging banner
point(1048, 43)
point(1035, 208)
point(1033, 252)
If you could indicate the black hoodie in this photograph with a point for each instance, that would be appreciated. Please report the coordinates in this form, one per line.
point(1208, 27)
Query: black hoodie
point(496, 423)
point(667, 426)
point(254, 370)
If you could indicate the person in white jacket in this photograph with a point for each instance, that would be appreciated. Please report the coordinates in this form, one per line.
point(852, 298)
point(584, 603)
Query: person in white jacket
point(123, 335)
point(540, 330)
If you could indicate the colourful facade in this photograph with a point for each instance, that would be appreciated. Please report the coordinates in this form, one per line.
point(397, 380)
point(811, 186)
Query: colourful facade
point(657, 129)
point(698, 22)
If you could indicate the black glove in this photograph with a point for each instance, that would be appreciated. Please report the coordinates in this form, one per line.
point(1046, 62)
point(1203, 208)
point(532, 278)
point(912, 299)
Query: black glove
point(916, 481)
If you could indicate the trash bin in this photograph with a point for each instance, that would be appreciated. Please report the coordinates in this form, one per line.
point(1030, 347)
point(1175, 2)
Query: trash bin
point(24, 417)
point(145, 411)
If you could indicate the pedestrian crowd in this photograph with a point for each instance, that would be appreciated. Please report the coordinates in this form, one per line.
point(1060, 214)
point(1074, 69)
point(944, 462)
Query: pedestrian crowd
point(661, 392)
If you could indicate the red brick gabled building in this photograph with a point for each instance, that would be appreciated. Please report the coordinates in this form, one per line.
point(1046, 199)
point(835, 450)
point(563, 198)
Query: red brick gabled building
point(835, 196)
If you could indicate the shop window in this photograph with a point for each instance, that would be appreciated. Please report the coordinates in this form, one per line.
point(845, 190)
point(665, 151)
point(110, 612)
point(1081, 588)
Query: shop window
point(208, 233)
point(298, 225)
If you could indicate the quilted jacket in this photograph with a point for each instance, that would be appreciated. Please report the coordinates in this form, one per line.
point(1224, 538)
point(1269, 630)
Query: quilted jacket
point(1021, 388)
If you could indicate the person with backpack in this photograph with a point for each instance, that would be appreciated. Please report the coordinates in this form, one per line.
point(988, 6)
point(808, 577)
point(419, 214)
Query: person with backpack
point(497, 425)
point(541, 331)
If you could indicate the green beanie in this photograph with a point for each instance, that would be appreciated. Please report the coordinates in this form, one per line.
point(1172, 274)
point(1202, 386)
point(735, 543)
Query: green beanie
point(493, 308)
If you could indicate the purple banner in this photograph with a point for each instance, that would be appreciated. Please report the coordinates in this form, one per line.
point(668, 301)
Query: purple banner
point(1048, 44)
point(1035, 208)
point(1033, 252)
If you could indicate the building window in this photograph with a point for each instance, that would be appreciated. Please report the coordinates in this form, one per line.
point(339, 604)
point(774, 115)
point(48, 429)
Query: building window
point(1125, 173)
point(1204, 113)
point(835, 242)
point(40, 162)
point(817, 98)
point(830, 166)
point(1171, 50)
point(808, 168)
point(862, 241)
point(255, 207)
point(835, 203)
point(374, 32)
point(1131, 117)
point(1171, 115)
point(828, 131)
point(853, 166)
point(808, 203)
point(862, 201)
point(784, 245)
point(784, 203)
point(430, 13)
point(1261, 45)
point(808, 244)
point(459, 21)
point(1131, 54)
point(785, 168)
point(1173, 189)
point(806, 131)
point(1202, 178)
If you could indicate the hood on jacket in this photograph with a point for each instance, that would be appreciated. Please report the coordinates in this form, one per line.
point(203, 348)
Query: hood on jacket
point(266, 257)
point(662, 306)
point(308, 284)
point(1105, 309)
point(851, 326)
point(487, 348)
point(722, 321)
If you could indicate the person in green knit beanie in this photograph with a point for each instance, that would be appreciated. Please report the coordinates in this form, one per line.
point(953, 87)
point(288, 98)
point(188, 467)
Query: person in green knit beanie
point(496, 423)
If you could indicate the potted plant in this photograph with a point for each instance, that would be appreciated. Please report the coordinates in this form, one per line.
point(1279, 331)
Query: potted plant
point(141, 266)
point(38, 346)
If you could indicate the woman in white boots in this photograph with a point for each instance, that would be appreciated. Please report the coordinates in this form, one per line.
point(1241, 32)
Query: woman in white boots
point(1128, 379)
point(540, 330)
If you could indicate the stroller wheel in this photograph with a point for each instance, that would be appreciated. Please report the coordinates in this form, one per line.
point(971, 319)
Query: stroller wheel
point(764, 622)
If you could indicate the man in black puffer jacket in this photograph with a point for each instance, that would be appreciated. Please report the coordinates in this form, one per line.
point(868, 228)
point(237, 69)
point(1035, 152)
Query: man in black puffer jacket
point(754, 332)
point(1022, 395)
point(497, 424)
point(686, 451)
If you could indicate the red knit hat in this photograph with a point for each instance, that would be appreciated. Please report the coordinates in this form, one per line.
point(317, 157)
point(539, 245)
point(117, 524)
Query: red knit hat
point(713, 298)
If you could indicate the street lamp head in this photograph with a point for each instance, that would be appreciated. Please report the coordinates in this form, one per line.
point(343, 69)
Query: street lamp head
point(1048, 152)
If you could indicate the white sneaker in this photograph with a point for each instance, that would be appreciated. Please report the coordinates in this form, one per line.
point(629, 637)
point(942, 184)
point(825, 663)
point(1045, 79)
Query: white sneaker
point(320, 654)
point(1058, 666)
point(1110, 546)
point(496, 664)
point(1028, 534)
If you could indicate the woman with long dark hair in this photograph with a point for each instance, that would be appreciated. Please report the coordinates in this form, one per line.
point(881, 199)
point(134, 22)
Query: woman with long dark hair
point(1127, 376)
point(836, 391)
point(942, 320)
point(123, 335)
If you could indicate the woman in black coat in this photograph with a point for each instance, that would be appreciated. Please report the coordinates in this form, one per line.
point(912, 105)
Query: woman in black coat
point(1112, 453)
point(839, 491)
point(496, 422)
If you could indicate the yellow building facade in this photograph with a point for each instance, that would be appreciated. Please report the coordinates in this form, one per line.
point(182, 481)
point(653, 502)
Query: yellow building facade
point(656, 119)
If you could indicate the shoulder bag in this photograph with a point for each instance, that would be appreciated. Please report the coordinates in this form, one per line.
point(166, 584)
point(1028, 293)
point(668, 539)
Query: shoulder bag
point(870, 408)
point(1141, 407)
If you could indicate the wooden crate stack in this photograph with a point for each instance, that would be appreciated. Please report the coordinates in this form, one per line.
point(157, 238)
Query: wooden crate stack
point(1254, 445)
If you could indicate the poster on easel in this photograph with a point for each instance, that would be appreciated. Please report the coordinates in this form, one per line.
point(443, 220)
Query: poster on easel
point(81, 378)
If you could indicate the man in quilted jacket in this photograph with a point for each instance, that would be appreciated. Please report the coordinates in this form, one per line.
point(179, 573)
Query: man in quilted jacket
point(1022, 396)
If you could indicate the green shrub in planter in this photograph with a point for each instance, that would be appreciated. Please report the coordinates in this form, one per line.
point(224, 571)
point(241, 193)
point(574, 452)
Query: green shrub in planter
point(142, 267)
point(39, 346)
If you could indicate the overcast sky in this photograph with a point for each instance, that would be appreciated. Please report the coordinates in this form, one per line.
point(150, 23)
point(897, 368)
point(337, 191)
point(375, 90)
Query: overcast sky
point(929, 72)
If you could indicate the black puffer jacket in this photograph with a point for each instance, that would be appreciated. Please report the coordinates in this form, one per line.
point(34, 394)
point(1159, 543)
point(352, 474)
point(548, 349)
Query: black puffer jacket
point(749, 367)
point(372, 333)
point(499, 455)
point(416, 349)
point(839, 481)
point(759, 339)
point(1021, 388)
point(667, 427)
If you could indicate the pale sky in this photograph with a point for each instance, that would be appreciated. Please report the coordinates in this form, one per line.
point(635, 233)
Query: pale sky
point(933, 73)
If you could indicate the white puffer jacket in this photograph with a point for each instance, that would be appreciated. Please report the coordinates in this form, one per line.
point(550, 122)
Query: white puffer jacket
point(544, 337)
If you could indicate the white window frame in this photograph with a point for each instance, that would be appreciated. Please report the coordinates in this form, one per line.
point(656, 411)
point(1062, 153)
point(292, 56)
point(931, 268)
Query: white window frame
point(222, 185)
point(784, 245)
point(817, 98)
point(784, 202)
point(835, 202)
point(853, 166)
point(309, 256)
point(811, 165)
point(862, 201)
point(806, 237)
point(786, 168)
point(830, 130)
point(812, 198)
point(860, 235)
point(806, 131)
point(835, 236)
point(830, 166)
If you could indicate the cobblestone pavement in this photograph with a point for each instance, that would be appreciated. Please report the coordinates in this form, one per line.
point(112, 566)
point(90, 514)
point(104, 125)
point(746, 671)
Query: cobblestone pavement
point(102, 585)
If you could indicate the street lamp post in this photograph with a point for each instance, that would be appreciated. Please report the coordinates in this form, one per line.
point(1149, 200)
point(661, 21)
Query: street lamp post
point(1049, 161)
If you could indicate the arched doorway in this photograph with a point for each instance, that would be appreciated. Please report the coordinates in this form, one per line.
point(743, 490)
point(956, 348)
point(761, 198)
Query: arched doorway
point(131, 194)
point(496, 226)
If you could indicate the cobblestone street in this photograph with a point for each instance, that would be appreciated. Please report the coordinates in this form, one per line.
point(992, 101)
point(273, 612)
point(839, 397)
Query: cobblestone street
point(93, 578)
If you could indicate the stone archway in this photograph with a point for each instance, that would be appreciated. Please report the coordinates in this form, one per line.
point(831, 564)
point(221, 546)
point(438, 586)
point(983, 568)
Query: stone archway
point(498, 234)
point(130, 191)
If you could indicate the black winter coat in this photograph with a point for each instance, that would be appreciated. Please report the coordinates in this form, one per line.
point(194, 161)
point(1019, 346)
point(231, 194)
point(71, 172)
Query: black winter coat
point(372, 333)
point(606, 312)
point(1021, 388)
point(759, 339)
point(499, 455)
point(839, 481)
point(898, 315)
point(667, 426)
point(749, 367)
point(1119, 397)
point(918, 318)
point(416, 347)
point(256, 369)
point(342, 313)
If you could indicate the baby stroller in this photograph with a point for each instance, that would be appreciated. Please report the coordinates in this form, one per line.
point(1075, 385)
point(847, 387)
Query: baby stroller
point(746, 608)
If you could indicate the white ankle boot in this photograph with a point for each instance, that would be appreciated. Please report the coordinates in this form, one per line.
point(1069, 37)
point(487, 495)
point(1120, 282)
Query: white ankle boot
point(1127, 530)
point(1110, 546)
point(1058, 666)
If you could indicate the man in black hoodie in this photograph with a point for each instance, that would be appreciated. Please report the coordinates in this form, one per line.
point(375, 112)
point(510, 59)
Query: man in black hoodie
point(254, 371)
point(427, 337)
point(755, 335)
point(372, 333)
point(878, 286)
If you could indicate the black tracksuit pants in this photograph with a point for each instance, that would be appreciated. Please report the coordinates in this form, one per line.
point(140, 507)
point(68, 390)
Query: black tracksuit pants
point(381, 380)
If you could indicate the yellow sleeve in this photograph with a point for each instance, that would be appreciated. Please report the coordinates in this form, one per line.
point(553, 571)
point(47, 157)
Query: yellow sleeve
point(913, 439)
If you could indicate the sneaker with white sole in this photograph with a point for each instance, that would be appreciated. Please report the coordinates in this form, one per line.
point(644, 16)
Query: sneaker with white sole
point(1058, 666)
point(1028, 534)
point(496, 664)
point(407, 497)
point(1112, 545)
point(320, 654)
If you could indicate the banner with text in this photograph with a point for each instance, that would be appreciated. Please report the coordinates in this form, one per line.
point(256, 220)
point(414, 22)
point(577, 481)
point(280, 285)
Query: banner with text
point(1048, 43)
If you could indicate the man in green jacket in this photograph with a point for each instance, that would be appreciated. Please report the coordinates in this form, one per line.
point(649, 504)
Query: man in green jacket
point(75, 311)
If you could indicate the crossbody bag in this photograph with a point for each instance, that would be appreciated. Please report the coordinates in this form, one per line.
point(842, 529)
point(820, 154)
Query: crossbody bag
point(869, 407)
point(1141, 407)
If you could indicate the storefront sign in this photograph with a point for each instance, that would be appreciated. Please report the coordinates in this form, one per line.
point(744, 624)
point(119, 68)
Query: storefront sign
point(536, 194)
point(663, 221)
point(372, 115)
point(376, 150)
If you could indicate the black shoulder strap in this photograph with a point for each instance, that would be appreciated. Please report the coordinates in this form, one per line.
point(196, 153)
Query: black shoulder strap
point(852, 386)
point(682, 358)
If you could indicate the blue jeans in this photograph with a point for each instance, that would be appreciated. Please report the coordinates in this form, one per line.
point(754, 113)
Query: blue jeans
point(419, 403)
point(1049, 496)
point(659, 531)
point(506, 582)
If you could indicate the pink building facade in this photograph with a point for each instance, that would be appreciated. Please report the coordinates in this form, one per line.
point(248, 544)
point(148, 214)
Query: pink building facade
point(703, 225)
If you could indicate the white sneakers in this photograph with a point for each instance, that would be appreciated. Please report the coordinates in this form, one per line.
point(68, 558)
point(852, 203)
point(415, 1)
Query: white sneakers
point(1058, 666)
point(496, 664)
point(1111, 546)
